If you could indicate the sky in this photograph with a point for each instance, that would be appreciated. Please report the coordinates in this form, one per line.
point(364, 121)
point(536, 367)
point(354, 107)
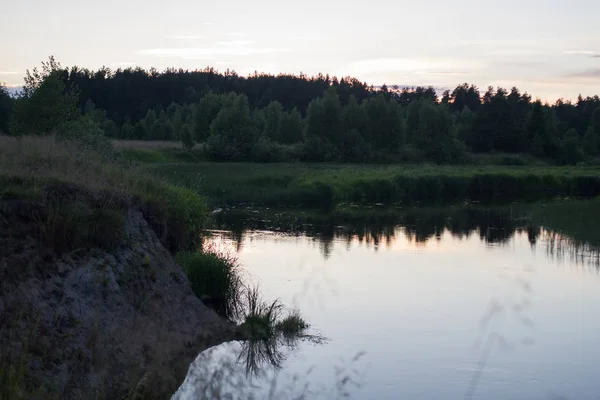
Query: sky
point(550, 49)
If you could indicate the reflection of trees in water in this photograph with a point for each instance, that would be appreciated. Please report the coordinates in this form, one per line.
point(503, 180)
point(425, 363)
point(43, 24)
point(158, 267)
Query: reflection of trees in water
point(561, 247)
point(376, 228)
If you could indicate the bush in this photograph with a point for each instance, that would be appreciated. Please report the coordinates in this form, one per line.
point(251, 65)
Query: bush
point(264, 150)
point(218, 148)
point(175, 213)
point(316, 149)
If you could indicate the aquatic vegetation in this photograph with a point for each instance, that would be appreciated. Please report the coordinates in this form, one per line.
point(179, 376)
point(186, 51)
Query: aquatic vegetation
point(326, 185)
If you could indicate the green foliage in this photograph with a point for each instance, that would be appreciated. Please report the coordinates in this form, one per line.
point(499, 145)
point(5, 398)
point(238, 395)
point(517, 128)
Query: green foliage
point(234, 126)
point(386, 130)
point(571, 148)
point(292, 325)
point(45, 107)
point(86, 133)
point(261, 319)
point(291, 127)
point(127, 131)
point(206, 111)
point(595, 119)
point(6, 104)
point(354, 148)
point(324, 119)
point(273, 114)
point(175, 213)
point(291, 109)
point(321, 186)
point(536, 130)
point(186, 137)
point(215, 279)
point(591, 141)
point(354, 117)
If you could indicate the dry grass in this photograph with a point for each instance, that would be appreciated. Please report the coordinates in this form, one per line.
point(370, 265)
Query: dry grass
point(30, 163)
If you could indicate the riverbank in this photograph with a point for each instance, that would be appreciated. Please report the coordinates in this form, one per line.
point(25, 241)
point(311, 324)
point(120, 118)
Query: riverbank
point(106, 289)
point(327, 185)
point(92, 301)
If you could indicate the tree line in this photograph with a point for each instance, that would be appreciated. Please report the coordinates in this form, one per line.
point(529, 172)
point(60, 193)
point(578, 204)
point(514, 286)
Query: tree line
point(295, 117)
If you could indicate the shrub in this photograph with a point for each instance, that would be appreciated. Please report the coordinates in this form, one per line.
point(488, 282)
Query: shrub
point(218, 148)
point(264, 150)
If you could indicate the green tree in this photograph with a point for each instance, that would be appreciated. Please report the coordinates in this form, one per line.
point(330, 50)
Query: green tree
point(572, 152)
point(291, 127)
point(206, 111)
point(385, 122)
point(140, 132)
point(595, 121)
point(273, 113)
point(324, 119)
point(47, 102)
point(436, 136)
point(148, 123)
point(186, 137)
point(235, 127)
point(590, 141)
point(109, 127)
point(536, 130)
point(354, 117)
point(127, 131)
point(5, 109)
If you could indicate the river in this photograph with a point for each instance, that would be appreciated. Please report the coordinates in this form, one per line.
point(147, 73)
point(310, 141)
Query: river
point(478, 307)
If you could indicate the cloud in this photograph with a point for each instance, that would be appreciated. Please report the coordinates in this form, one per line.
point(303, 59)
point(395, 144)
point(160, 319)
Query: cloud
point(411, 66)
point(123, 64)
point(590, 53)
point(237, 43)
point(209, 53)
point(236, 34)
point(593, 73)
point(186, 37)
point(452, 73)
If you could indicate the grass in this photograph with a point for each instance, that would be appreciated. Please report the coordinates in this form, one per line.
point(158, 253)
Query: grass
point(292, 325)
point(325, 185)
point(69, 226)
point(215, 277)
point(265, 321)
point(31, 164)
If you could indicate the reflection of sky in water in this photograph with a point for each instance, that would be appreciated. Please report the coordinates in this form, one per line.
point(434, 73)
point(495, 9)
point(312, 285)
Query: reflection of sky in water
point(424, 314)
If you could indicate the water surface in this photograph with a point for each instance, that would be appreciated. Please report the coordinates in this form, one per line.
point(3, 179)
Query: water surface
point(479, 307)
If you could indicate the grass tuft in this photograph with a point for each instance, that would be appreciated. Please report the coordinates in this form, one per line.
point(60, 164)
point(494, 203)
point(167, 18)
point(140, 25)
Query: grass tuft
point(292, 325)
point(215, 279)
point(262, 318)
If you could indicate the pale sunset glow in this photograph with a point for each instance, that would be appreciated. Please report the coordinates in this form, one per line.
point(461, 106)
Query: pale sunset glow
point(549, 50)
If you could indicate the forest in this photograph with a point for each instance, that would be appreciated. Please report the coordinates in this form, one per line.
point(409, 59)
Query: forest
point(267, 118)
